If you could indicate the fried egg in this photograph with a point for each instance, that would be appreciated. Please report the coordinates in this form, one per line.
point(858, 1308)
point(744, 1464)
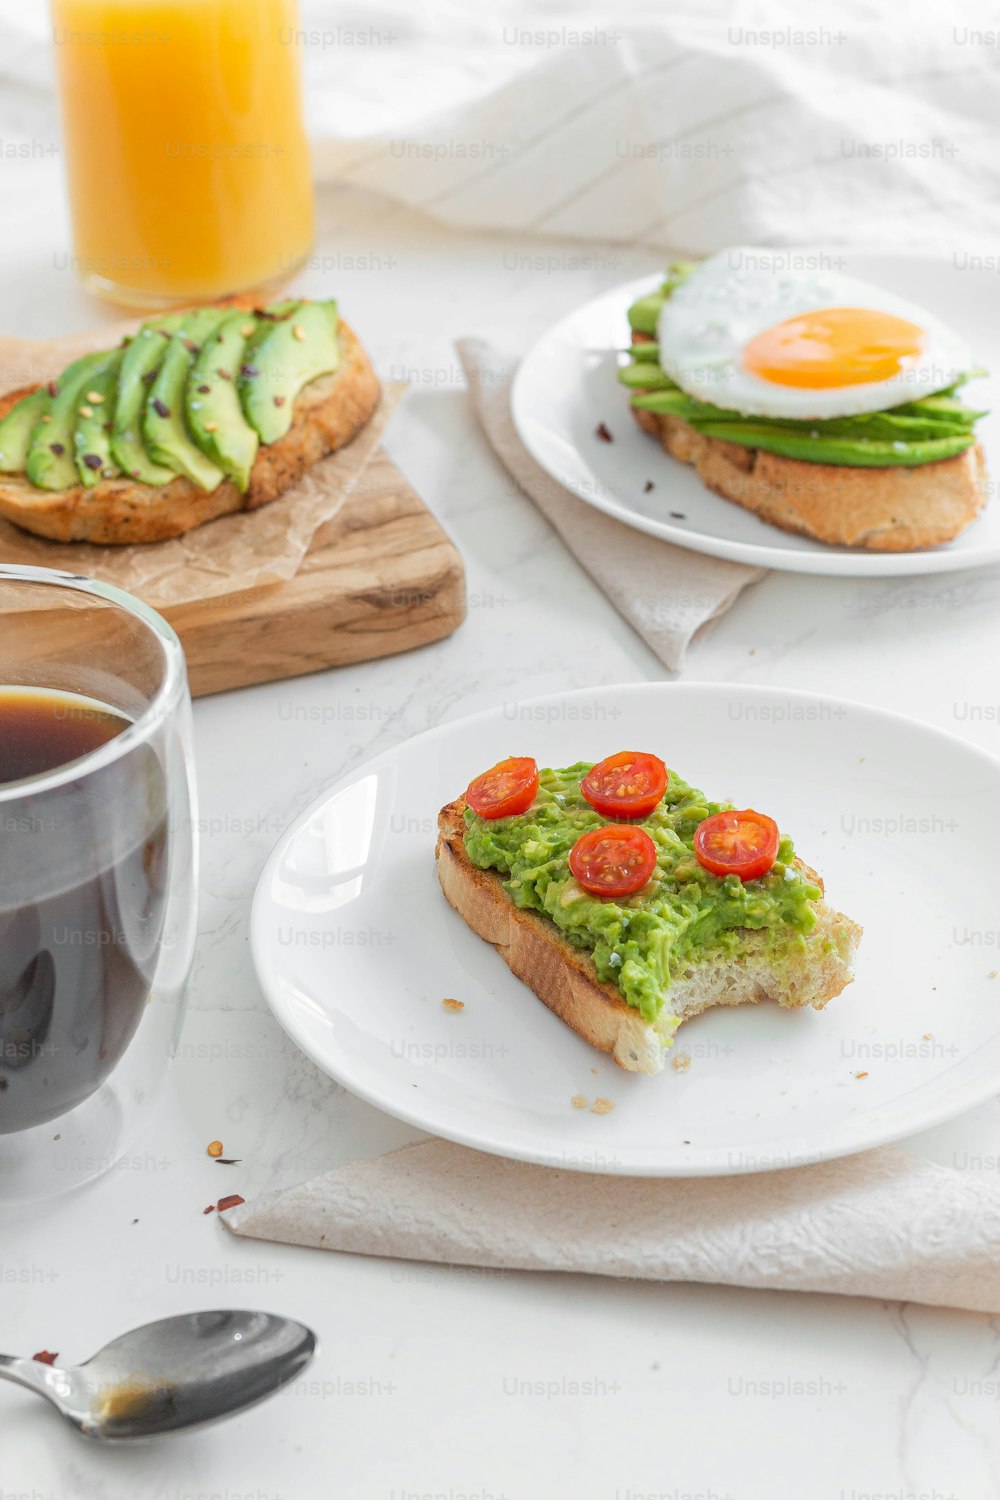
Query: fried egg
point(801, 345)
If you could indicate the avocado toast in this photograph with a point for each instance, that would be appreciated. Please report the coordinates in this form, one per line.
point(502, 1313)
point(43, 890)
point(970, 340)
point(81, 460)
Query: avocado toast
point(893, 479)
point(625, 969)
point(198, 414)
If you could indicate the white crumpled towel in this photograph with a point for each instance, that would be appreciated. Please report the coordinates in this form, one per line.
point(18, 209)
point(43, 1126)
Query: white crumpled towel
point(666, 593)
point(883, 1224)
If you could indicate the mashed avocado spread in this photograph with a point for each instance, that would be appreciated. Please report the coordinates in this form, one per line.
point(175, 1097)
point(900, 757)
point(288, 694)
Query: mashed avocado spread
point(681, 918)
point(917, 432)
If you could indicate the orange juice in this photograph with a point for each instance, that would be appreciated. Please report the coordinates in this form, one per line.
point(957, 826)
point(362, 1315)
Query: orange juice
point(187, 160)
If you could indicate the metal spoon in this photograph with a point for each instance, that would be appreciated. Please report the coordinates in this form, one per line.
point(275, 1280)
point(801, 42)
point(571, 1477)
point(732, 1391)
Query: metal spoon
point(178, 1372)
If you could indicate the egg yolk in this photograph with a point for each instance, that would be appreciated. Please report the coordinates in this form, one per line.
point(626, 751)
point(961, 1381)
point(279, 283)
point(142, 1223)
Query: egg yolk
point(834, 346)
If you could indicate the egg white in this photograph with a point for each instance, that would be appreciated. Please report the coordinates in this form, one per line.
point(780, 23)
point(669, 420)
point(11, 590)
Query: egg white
point(731, 297)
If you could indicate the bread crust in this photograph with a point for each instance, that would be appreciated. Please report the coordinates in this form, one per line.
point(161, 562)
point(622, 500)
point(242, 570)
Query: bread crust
point(327, 414)
point(881, 510)
point(564, 977)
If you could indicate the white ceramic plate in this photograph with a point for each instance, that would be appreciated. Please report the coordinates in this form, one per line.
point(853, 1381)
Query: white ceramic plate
point(355, 946)
point(568, 384)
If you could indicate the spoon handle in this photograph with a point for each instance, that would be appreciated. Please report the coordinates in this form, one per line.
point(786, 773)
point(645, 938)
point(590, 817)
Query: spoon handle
point(29, 1372)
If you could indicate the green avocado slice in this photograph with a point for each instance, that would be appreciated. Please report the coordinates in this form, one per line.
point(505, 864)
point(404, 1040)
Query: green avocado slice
point(283, 356)
point(92, 433)
point(893, 425)
point(141, 359)
point(163, 425)
point(211, 402)
point(16, 429)
point(646, 376)
point(644, 314)
point(50, 464)
point(861, 453)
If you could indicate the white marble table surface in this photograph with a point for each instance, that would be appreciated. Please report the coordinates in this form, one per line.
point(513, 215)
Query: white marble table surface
point(418, 1391)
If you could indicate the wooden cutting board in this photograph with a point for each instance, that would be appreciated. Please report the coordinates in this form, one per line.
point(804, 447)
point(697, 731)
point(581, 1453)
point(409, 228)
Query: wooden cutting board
point(381, 576)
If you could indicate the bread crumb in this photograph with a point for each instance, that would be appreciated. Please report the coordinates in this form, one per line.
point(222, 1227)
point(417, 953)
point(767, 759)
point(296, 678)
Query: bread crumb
point(214, 1148)
point(453, 1005)
point(579, 1101)
point(593, 1070)
point(861, 1075)
point(928, 1036)
point(602, 1106)
point(681, 1062)
point(992, 974)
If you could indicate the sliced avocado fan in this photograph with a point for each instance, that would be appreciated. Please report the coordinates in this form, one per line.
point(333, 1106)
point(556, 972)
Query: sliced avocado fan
point(192, 394)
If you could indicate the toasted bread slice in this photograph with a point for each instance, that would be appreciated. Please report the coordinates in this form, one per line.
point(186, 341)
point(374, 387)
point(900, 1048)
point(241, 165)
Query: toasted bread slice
point(564, 977)
point(883, 510)
point(328, 413)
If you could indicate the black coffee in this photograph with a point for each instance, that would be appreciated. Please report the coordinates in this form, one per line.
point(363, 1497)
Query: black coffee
point(80, 933)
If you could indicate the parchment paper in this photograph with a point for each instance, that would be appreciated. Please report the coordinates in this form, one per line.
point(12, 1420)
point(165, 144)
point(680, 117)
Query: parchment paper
point(225, 556)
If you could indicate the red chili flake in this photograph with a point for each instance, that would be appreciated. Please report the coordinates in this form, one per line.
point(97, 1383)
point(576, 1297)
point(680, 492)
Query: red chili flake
point(249, 371)
point(160, 407)
point(279, 400)
point(191, 346)
point(45, 1357)
point(230, 1202)
point(92, 461)
point(57, 448)
point(603, 433)
point(52, 388)
point(647, 487)
point(223, 374)
point(204, 389)
point(210, 1209)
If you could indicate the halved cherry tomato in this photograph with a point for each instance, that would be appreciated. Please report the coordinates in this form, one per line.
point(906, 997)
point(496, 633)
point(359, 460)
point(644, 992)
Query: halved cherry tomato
point(626, 785)
point(737, 843)
point(613, 861)
point(505, 789)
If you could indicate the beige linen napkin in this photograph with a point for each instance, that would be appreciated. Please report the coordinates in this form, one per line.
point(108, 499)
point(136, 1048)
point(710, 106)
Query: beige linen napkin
point(883, 1224)
point(666, 593)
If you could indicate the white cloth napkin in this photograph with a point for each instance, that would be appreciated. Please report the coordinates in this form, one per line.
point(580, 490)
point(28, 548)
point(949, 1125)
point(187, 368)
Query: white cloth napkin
point(883, 1224)
point(689, 126)
point(665, 592)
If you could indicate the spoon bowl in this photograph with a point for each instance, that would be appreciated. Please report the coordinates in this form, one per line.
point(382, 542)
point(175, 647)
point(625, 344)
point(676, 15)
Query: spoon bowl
point(178, 1372)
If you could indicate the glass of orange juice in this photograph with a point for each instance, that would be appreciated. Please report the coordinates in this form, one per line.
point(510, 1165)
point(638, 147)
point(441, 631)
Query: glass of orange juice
point(186, 156)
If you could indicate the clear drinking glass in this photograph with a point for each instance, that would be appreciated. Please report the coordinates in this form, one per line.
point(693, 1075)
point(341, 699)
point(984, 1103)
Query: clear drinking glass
point(98, 880)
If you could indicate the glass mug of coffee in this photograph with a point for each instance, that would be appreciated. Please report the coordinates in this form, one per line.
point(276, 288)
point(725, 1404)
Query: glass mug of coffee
point(98, 873)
